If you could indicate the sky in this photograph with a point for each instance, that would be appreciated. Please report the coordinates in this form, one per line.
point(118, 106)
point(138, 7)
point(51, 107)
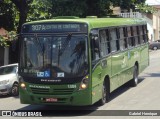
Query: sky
point(153, 2)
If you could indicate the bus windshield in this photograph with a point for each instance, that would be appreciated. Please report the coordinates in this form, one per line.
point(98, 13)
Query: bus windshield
point(54, 56)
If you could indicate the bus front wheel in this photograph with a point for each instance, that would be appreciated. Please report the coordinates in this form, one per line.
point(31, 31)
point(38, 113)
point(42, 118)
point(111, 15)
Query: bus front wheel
point(105, 95)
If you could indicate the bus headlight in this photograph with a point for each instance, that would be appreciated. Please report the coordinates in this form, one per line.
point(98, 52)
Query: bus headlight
point(22, 84)
point(84, 83)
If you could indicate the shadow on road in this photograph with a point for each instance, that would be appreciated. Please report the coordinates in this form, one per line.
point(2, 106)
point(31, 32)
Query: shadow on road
point(8, 96)
point(5, 96)
point(123, 89)
point(52, 110)
point(152, 75)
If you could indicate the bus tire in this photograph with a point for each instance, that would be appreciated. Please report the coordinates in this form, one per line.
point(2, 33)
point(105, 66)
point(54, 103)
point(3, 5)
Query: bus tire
point(105, 95)
point(134, 81)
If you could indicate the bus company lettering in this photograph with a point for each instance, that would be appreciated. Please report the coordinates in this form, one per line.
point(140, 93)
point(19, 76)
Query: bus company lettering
point(36, 86)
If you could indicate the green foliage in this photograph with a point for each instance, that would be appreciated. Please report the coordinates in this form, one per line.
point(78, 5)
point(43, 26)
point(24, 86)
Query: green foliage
point(68, 8)
point(12, 35)
point(98, 8)
point(7, 15)
point(9, 37)
point(7, 21)
point(39, 9)
point(3, 41)
point(146, 8)
point(13, 13)
point(127, 4)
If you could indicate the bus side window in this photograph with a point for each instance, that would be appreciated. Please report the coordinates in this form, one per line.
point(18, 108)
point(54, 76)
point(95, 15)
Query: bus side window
point(131, 41)
point(145, 36)
point(95, 48)
point(123, 40)
point(139, 41)
point(141, 34)
point(114, 40)
point(135, 34)
point(104, 42)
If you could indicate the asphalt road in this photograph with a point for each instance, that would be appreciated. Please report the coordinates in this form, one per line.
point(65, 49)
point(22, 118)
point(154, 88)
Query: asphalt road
point(146, 96)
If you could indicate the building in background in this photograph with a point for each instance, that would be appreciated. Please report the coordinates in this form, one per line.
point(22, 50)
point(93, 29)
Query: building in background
point(156, 23)
point(4, 51)
point(153, 20)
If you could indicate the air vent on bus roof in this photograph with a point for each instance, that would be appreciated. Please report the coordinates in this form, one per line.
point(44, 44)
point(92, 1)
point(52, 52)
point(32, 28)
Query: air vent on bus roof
point(91, 16)
point(66, 17)
point(112, 16)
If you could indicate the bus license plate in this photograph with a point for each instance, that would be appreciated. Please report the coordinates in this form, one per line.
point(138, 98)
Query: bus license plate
point(51, 99)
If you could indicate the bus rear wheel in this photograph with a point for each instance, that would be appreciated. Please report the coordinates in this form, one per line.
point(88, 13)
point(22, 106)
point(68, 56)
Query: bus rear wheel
point(134, 81)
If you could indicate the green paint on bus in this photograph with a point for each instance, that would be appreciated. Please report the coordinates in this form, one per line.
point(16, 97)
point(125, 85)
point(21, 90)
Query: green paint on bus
point(80, 61)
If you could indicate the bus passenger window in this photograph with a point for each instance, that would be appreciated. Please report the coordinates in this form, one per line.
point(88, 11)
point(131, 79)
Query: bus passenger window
point(114, 40)
point(141, 34)
point(95, 48)
point(135, 34)
point(104, 42)
point(139, 42)
point(145, 37)
point(123, 40)
point(131, 40)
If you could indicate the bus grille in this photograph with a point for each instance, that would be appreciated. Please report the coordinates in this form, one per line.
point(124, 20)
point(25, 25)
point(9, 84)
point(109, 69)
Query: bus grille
point(40, 91)
point(65, 91)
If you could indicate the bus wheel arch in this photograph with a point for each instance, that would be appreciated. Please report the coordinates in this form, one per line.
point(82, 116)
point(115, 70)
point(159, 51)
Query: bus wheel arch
point(137, 64)
point(107, 83)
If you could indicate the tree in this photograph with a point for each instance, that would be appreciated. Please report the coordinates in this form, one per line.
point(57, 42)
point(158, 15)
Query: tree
point(68, 8)
point(7, 20)
point(127, 4)
point(6, 15)
point(98, 7)
point(20, 11)
point(39, 9)
point(146, 8)
point(23, 8)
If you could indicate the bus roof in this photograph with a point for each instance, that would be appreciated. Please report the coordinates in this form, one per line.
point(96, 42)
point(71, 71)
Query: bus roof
point(96, 22)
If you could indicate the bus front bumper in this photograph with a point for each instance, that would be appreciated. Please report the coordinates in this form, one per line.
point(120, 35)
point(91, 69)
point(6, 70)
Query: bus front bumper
point(79, 98)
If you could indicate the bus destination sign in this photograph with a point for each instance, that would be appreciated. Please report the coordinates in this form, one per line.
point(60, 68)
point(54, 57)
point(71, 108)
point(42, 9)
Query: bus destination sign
point(54, 28)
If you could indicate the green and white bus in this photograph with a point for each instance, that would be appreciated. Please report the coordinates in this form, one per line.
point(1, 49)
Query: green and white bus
point(80, 61)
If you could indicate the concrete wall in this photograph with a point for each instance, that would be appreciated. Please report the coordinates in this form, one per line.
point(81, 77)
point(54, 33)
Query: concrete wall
point(1, 56)
point(4, 56)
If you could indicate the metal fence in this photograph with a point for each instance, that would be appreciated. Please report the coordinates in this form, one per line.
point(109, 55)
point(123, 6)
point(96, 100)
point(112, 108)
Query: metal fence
point(131, 15)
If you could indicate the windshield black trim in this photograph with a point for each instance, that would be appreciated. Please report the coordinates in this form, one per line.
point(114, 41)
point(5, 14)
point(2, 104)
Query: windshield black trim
point(56, 35)
point(56, 23)
point(57, 81)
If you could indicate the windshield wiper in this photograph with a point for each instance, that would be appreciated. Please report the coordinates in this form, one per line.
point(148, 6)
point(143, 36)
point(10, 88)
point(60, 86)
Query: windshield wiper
point(63, 47)
point(41, 47)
